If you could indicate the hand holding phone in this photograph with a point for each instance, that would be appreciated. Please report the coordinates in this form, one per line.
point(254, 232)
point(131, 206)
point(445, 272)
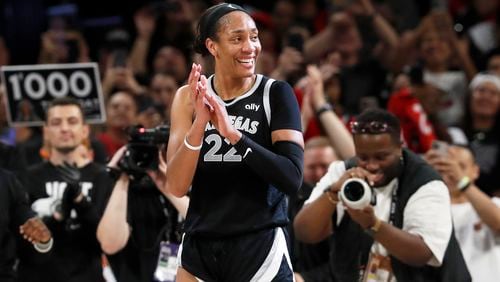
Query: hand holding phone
point(120, 58)
point(440, 147)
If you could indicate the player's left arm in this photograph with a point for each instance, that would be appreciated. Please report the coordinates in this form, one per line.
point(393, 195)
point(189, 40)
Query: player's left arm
point(282, 164)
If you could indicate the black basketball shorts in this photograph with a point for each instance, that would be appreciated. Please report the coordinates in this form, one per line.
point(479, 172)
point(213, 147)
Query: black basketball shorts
point(257, 257)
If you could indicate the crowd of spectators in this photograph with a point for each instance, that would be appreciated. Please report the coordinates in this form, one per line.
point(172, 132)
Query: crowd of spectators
point(434, 64)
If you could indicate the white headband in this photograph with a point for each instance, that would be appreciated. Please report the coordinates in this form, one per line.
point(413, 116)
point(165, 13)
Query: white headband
point(480, 79)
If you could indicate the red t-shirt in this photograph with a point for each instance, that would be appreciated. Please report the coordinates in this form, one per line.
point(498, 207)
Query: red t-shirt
point(109, 143)
point(418, 132)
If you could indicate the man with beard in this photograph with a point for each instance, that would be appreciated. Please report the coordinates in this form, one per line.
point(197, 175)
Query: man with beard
point(407, 235)
point(65, 192)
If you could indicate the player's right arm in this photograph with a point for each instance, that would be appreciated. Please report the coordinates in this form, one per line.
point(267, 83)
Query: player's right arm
point(189, 117)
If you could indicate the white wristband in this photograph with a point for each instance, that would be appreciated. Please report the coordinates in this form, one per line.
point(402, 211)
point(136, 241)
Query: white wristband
point(191, 147)
point(464, 183)
point(44, 247)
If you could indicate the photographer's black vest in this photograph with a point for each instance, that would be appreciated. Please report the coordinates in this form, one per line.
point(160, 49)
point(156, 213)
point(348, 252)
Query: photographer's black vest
point(350, 245)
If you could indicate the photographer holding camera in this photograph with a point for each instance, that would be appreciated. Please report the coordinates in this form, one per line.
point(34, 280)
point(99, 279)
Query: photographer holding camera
point(406, 234)
point(138, 230)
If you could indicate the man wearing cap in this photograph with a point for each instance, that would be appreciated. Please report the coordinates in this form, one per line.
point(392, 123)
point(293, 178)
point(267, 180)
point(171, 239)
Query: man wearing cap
point(482, 128)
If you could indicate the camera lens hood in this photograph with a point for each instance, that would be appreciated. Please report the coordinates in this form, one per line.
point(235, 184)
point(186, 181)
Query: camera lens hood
point(356, 193)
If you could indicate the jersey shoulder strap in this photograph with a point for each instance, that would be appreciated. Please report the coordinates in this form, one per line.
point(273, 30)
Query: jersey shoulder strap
point(266, 99)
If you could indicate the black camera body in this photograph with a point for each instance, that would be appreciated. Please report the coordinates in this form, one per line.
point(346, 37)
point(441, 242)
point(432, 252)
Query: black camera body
point(142, 149)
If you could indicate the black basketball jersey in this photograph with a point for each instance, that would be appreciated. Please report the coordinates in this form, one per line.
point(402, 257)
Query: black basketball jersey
point(228, 197)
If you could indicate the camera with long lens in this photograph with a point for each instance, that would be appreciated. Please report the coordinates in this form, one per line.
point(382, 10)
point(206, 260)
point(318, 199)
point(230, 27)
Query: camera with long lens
point(142, 149)
point(357, 194)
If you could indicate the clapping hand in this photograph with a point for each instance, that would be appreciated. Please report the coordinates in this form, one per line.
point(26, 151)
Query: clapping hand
point(35, 231)
point(220, 119)
point(198, 86)
point(70, 174)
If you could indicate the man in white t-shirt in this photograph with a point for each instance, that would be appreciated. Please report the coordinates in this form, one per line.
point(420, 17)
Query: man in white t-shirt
point(476, 216)
point(408, 232)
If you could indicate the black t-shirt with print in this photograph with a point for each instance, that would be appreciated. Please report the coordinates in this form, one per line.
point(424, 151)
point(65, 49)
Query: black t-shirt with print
point(76, 254)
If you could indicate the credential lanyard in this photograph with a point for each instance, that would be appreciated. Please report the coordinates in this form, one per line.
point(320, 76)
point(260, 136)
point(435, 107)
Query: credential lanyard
point(394, 199)
point(167, 218)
